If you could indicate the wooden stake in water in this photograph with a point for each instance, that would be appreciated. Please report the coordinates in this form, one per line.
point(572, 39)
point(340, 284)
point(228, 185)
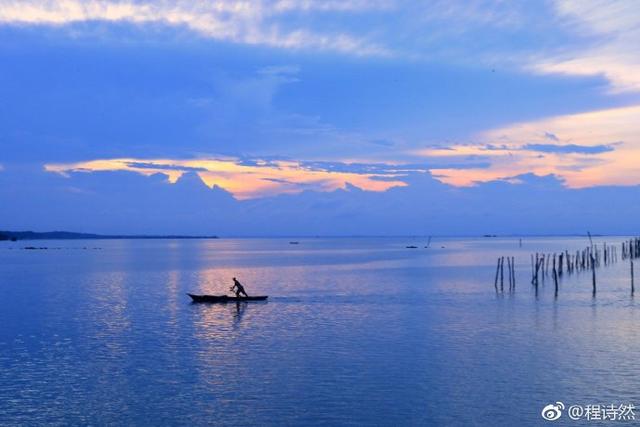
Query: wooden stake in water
point(509, 272)
point(632, 287)
point(593, 273)
point(502, 274)
point(495, 285)
point(513, 271)
point(555, 276)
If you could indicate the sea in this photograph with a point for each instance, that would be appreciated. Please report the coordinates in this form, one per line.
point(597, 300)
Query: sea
point(366, 331)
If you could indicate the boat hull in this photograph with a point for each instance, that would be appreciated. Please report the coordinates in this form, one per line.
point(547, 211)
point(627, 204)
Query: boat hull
point(225, 298)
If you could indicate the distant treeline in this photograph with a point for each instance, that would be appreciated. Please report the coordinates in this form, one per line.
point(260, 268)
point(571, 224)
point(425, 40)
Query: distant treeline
point(67, 235)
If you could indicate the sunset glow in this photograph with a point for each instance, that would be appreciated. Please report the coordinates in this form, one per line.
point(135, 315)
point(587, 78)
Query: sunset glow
point(314, 116)
point(588, 149)
point(259, 179)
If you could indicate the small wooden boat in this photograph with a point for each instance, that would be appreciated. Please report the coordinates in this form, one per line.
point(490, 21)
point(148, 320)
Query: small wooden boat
point(225, 298)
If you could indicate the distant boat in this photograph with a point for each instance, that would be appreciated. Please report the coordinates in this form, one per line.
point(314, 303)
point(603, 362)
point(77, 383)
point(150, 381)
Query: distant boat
point(225, 298)
point(294, 243)
point(412, 247)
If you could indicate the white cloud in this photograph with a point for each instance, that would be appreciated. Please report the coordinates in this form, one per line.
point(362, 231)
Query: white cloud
point(249, 22)
point(610, 31)
point(575, 37)
point(331, 5)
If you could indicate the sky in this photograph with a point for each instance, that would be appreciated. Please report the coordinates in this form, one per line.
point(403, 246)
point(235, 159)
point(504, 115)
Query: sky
point(310, 117)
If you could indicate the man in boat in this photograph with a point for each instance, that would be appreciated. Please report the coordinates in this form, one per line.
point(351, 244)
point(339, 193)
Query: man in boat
point(238, 288)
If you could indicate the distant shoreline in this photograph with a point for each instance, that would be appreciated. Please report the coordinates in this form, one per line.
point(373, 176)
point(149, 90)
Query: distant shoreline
point(68, 235)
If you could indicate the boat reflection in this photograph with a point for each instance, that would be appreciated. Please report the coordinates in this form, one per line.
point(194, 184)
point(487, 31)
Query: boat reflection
point(240, 309)
point(217, 320)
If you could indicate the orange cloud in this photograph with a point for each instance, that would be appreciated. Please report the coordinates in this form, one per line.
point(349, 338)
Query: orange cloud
point(244, 181)
point(587, 149)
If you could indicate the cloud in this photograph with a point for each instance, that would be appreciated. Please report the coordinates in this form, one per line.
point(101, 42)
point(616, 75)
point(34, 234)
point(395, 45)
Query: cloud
point(257, 106)
point(572, 37)
point(569, 148)
point(579, 158)
point(155, 167)
point(247, 22)
point(473, 151)
point(247, 179)
point(610, 42)
point(331, 5)
point(96, 202)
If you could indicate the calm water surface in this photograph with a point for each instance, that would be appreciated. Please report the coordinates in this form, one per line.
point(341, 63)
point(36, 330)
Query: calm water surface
point(356, 332)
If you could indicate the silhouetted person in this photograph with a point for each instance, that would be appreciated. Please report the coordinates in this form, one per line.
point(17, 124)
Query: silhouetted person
point(238, 288)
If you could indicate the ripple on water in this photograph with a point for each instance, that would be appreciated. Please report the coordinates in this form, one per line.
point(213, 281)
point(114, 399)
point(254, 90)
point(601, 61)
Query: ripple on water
point(357, 331)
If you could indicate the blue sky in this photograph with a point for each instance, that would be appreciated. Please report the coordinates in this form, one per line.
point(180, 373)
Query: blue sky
point(319, 117)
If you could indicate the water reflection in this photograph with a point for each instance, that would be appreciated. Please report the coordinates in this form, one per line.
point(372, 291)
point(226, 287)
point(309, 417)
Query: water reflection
point(240, 309)
point(173, 293)
point(109, 313)
point(369, 331)
point(213, 315)
point(220, 321)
